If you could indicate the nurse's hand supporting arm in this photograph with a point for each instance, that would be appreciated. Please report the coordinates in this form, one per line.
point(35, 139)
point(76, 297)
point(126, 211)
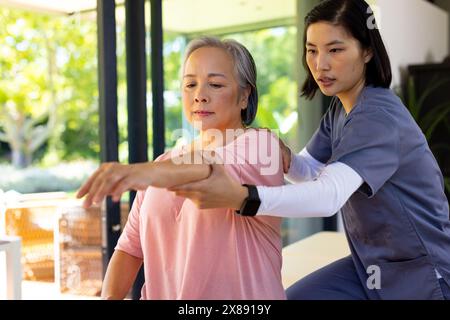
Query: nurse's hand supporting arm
point(322, 197)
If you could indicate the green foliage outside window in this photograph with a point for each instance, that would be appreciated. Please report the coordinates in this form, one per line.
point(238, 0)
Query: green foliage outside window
point(48, 86)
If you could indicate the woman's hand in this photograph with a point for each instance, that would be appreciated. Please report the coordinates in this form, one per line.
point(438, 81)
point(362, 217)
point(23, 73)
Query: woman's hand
point(217, 191)
point(113, 179)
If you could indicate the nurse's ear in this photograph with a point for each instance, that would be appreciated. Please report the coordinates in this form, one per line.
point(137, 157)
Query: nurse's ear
point(368, 55)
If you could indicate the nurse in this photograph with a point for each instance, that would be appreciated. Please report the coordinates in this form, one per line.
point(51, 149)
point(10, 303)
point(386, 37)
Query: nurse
point(368, 159)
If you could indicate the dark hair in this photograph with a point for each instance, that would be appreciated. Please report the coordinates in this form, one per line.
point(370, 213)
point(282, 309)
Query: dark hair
point(244, 66)
point(354, 16)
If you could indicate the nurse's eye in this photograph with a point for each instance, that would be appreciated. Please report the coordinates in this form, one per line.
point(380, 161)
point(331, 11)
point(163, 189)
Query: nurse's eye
point(311, 51)
point(335, 50)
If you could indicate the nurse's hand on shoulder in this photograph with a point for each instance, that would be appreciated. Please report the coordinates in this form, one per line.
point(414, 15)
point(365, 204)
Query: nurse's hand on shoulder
point(219, 190)
point(286, 154)
point(113, 179)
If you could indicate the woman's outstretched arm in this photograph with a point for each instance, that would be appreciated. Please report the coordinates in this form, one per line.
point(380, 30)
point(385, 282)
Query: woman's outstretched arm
point(113, 179)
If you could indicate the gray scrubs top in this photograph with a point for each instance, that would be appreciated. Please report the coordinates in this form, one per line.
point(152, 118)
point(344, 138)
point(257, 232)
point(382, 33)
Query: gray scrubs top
point(399, 218)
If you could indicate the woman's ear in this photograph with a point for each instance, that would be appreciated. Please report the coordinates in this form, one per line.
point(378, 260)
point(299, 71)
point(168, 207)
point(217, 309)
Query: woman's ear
point(368, 55)
point(244, 97)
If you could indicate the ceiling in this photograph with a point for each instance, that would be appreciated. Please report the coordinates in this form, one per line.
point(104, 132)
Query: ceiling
point(187, 16)
point(52, 6)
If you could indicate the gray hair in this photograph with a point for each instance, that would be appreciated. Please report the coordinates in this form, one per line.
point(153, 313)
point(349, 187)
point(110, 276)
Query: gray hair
point(244, 66)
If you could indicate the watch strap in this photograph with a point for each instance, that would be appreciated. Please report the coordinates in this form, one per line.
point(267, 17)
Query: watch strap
point(251, 204)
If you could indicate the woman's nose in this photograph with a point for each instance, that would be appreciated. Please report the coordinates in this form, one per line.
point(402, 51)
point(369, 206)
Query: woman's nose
point(322, 62)
point(201, 97)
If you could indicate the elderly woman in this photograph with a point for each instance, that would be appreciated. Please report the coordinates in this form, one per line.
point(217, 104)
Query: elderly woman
point(190, 253)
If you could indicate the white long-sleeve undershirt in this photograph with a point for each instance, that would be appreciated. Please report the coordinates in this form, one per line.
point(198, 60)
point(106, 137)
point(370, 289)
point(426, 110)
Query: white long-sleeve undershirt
point(321, 197)
point(304, 167)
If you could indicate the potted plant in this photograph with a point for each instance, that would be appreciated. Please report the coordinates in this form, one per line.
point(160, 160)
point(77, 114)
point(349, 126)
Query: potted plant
point(434, 120)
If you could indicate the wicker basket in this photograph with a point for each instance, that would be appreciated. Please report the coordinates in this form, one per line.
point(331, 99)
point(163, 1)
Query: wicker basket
point(79, 258)
point(37, 240)
point(81, 271)
point(81, 227)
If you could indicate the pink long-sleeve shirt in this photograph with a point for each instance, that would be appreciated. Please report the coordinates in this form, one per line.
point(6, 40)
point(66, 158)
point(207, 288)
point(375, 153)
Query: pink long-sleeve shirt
point(190, 253)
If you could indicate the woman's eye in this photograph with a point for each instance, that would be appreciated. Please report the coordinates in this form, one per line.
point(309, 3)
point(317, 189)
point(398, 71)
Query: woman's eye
point(190, 85)
point(311, 51)
point(216, 85)
point(336, 50)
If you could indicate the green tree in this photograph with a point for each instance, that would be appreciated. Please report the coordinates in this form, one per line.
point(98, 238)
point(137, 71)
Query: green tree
point(27, 86)
point(274, 52)
point(47, 85)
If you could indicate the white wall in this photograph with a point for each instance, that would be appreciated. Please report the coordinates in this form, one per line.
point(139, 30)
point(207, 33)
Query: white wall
point(414, 32)
point(445, 4)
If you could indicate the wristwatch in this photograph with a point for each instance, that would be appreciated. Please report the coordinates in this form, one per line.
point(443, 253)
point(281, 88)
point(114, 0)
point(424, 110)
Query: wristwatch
point(251, 204)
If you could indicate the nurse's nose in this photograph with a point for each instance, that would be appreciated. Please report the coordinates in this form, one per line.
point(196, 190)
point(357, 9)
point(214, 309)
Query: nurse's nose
point(322, 62)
